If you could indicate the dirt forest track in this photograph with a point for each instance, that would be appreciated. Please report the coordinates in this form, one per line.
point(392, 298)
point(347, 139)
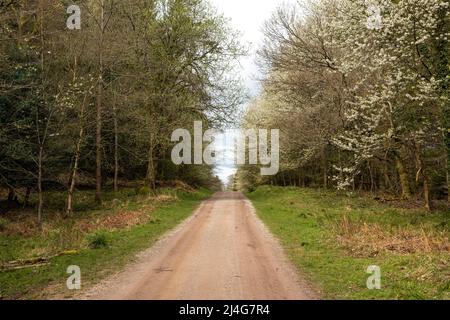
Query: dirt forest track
point(223, 252)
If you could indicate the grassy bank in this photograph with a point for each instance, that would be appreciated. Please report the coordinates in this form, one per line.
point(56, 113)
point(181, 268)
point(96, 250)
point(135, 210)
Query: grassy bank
point(333, 239)
point(98, 239)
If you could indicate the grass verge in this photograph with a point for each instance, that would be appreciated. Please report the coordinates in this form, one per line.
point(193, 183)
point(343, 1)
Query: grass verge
point(333, 239)
point(101, 241)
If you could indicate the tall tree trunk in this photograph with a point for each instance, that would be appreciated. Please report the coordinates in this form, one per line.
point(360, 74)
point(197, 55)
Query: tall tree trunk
point(27, 197)
point(448, 186)
point(41, 139)
point(98, 141)
point(11, 194)
point(73, 177)
point(151, 169)
point(387, 185)
point(325, 168)
point(427, 193)
point(404, 177)
point(98, 137)
point(116, 150)
point(299, 176)
point(402, 172)
point(372, 182)
point(422, 170)
point(39, 187)
point(361, 182)
point(446, 163)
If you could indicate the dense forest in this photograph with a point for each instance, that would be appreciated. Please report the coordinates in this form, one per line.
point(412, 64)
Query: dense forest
point(360, 92)
point(94, 105)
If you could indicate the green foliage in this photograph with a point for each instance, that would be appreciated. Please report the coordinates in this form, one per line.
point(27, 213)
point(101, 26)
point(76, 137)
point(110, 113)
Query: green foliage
point(177, 51)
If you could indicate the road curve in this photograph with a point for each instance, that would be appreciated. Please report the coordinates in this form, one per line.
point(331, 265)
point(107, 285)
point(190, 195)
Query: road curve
point(223, 252)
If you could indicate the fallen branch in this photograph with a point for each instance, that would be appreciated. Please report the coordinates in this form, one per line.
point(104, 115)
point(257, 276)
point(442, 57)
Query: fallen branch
point(34, 262)
point(11, 268)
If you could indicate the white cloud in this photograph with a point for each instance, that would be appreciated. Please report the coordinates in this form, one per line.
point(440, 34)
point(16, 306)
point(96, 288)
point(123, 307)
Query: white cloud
point(248, 16)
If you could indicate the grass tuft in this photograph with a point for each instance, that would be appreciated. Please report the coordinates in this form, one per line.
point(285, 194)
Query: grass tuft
point(98, 240)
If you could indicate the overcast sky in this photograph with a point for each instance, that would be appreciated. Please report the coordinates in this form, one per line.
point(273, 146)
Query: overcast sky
point(247, 16)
